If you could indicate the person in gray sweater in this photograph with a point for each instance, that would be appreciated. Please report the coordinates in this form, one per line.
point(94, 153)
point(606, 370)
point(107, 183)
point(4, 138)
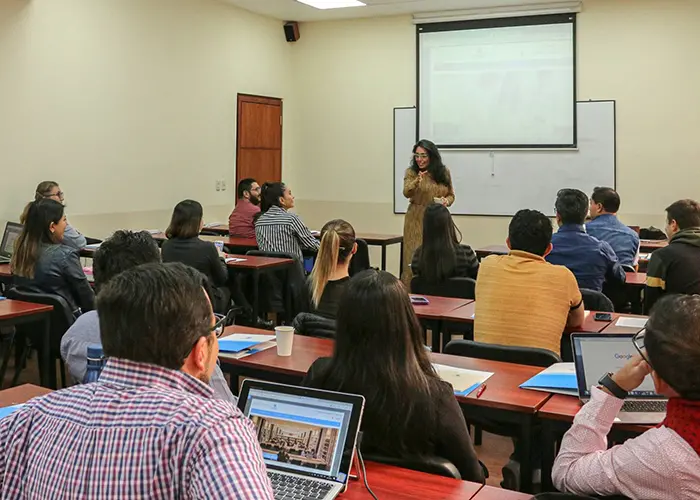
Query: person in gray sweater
point(122, 251)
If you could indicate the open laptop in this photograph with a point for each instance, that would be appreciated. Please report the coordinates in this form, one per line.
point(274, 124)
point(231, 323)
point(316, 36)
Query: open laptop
point(307, 436)
point(7, 247)
point(596, 354)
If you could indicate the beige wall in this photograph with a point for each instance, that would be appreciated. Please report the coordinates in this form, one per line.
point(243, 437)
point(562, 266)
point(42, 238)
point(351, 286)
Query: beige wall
point(639, 53)
point(129, 104)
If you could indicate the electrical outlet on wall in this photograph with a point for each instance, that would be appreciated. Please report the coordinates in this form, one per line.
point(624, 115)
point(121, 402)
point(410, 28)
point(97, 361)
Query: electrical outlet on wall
point(218, 185)
point(223, 184)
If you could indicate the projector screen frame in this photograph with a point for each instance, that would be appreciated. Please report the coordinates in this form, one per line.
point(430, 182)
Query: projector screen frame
point(506, 22)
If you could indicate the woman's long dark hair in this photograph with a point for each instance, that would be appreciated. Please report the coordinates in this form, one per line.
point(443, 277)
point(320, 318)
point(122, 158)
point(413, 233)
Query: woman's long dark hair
point(436, 168)
point(35, 233)
point(186, 220)
point(438, 258)
point(379, 353)
point(270, 194)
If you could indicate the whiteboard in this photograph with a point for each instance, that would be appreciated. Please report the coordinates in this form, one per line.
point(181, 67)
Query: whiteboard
point(501, 182)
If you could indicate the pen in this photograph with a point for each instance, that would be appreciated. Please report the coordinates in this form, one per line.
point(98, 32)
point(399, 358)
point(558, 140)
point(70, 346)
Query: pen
point(480, 391)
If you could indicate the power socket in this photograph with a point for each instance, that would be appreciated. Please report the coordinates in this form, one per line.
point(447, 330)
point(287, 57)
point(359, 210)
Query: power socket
point(223, 184)
point(218, 185)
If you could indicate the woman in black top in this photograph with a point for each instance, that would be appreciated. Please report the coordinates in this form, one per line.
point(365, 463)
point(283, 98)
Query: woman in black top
point(41, 262)
point(183, 245)
point(441, 256)
point(409, 410)
point(331, 269)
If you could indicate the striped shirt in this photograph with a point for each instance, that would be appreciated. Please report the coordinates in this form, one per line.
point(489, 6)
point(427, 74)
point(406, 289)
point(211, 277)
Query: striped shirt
point(142, 431)
point(280, 231)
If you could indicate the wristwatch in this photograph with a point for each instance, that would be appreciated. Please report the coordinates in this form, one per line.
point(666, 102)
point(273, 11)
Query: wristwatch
point(608, 382)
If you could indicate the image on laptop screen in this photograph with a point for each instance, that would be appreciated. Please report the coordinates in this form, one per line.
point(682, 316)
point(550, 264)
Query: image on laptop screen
point(300, 433)
point(597, 355)
point(12, 232)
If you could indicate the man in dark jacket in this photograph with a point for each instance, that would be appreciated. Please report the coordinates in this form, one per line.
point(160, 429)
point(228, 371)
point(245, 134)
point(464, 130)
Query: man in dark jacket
point(676, 268)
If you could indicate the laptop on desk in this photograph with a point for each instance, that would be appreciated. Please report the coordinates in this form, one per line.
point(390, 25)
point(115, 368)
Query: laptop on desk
point(7, 247)
point(596, 354)
point(308, 437)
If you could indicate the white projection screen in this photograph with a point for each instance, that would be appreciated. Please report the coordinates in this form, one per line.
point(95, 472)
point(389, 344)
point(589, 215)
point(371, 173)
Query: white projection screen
point(498, 83)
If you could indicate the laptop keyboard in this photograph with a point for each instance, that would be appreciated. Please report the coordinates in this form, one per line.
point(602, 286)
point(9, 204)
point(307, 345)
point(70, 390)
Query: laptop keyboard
point(644, 406)
point(297, 488)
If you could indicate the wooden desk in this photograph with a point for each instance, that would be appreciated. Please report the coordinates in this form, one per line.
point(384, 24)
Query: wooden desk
point(21, 394)
point(651, 245)
point(556, 417)
point(636, 279)
point(491, 493)
point(14, 312)
point(502, 401)
point(491, 250)
point(435, 313)
point(5, 270)
point(402, 484)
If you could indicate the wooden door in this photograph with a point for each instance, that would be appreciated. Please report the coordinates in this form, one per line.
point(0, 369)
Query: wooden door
point(259, 139)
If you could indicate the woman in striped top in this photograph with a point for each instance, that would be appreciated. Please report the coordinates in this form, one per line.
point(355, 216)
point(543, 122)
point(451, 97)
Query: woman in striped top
point(278, 230)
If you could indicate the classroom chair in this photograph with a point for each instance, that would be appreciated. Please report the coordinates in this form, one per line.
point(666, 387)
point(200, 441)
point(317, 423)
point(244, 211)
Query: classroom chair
point(273, 286)
point(430, 464)
point(596, 301)
point(26, 338)
point(313, 325)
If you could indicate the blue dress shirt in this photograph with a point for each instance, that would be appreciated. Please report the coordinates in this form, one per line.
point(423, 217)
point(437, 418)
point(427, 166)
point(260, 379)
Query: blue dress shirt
point(592, 261)
point(623, 240)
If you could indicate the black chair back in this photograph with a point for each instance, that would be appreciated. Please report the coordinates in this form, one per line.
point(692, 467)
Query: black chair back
point(313, 325)
point(459, 288)
point(360, 261)
point(628, 268)
point(596, 301)
point(272, 284)
point(510, 354)
point(431, 464)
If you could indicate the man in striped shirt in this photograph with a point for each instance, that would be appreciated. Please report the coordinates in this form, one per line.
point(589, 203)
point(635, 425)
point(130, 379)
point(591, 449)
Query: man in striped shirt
point(150, 427)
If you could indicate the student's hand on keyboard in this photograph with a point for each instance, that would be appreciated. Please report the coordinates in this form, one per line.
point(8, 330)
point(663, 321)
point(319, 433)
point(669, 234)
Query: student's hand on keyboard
point(631, 376)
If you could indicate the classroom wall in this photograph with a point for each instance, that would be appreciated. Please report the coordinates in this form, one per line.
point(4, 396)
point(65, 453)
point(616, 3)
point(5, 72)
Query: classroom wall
point(130, 104)
point(638, 52)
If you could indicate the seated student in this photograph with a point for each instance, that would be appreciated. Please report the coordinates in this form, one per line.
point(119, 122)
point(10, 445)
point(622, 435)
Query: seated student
point(50, 190)
point(521, 299)
point(441, 256)
point(331, 274)
point(150, 427)
point(664, 462)
point(605, 203)
point(240, 222)
point(676, 268)
point(42, 263)
point(277, 229)
point(183, 245)
point(409, 410)
point(122, 251)
point(592, 261)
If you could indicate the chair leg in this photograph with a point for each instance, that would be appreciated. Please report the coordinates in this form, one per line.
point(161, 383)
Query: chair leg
point(478, 435)
point(8, 342)
point(20, 357)
point(63, 373)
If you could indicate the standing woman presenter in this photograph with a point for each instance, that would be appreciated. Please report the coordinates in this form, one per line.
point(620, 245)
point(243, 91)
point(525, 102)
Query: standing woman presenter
point(426, 181)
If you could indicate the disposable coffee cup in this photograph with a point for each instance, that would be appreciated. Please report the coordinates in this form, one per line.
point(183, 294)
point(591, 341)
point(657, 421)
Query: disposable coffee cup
point(219, 245)
point(285, 340)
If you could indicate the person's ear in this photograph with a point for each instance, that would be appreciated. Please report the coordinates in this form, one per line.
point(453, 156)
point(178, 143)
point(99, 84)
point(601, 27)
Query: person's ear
point(52, 227)
point(508, 244)
point(354, 249)
point(558, 217)
point(196, 362)
point(548, 250)
point(662, 387)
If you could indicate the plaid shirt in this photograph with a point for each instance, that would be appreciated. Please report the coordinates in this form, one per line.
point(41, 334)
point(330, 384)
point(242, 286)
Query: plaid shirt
point(142, 431)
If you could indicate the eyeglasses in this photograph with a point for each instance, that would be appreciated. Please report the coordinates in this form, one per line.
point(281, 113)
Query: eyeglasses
point(638, 341)
point(222, 321)
point(420, 155)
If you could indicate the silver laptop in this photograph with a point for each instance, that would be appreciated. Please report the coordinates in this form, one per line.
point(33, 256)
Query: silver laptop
point(596, 354)
point(307, 436)
point(7, 247)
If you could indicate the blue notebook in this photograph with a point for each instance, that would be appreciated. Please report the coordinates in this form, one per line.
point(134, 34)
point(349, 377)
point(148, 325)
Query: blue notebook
point(560, 378)
point(467, 391)
point(9, 410)
point(240, 342)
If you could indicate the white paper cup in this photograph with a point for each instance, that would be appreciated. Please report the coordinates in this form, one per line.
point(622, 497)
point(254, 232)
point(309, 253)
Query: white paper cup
point(219, 244)
point(285, 340)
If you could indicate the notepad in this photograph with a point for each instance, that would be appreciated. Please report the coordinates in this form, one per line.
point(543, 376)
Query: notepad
point(463, 380)
point(4, 412)
point(93, 246)
point(560, 378)
point(233, 259)
point(241, 341)
point(214, 224)
point(631, 322)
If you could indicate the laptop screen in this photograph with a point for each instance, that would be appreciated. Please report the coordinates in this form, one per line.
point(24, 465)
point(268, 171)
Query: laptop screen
point(598, 354)
point(301, 433)
point(12, 232)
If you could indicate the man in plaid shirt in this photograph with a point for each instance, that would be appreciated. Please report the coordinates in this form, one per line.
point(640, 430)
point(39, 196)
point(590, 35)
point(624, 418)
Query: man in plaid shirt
point(151, 427)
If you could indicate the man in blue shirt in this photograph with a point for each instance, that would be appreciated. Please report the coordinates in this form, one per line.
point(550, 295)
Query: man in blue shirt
point(605, 226)
point(592, 261)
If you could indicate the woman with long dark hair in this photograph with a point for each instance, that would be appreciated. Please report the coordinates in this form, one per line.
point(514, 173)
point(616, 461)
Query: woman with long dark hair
point(41, 262)
point(426, 181)
point(183, 245)
point(442, 256)
point(409, 411)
